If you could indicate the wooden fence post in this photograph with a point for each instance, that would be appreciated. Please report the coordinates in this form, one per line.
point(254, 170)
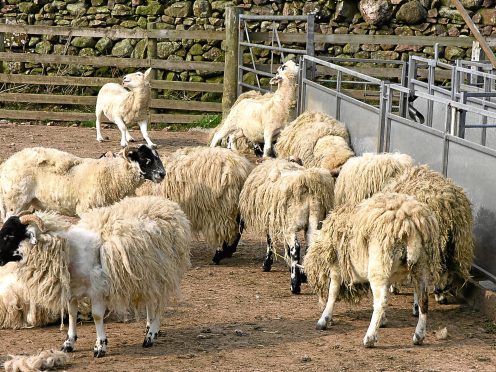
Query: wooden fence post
point(151, 53)
point(2, 44)
point(231, 59)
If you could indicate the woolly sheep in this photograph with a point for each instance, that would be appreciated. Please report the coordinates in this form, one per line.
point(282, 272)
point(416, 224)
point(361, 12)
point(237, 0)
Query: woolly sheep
point(362, 176)
point(16, 309)
point(56, 180)
point(206, 183)
point(281, 198)
point(128, 256)
point(383, 239)
point(262, 119)
point(124, 107)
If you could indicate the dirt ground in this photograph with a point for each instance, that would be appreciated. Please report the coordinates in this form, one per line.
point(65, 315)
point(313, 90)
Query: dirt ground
point(236, 317)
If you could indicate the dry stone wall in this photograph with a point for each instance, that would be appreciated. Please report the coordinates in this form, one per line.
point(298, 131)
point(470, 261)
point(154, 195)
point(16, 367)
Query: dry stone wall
point(372, 17)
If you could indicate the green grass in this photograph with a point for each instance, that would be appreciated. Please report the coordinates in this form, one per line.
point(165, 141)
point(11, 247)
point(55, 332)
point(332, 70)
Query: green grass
point(87, 124)
point(206, 121)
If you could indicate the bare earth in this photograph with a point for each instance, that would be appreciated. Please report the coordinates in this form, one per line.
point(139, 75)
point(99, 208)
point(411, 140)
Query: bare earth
point(236, 317)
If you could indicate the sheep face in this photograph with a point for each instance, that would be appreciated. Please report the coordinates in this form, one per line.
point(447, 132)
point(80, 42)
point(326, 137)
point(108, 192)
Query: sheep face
point(287, 71)
point(136, 79)
point(13, 232)
point(149, 162)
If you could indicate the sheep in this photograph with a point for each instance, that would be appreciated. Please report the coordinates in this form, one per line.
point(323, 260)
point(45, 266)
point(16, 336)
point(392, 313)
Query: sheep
point(124, 107)
point(281, 198)
point(261, 119)
point(131, 255)
point(52, 179)
point(383, 239)
point(44, 360)
point(362, 176)
point(16, 309)
point(206, 183)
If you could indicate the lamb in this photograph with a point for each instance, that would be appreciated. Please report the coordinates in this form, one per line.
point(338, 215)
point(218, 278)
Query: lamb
point(124, 107)
point(52, 179)
point(261, 119)
point(281, 198)
point(44, 360)
point(128, 256)
point(383, 239)
point(206, 183)
point(363, 176)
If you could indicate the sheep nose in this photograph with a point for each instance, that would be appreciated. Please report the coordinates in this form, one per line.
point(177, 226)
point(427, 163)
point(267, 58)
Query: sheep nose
point(161, 174)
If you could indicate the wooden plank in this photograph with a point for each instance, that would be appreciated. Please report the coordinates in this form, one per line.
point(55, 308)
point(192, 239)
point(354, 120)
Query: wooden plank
point(188, 86)
point(48, 98)
point(186, 105)
point(113, 33)
point(84, 116)
point(482, 41)
point(111, 61)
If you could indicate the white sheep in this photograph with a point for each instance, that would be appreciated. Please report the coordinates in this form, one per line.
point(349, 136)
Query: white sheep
point(381, 240)
point(129, 256)
point(43, 361)
point(206, 183)
point(125, 107)
point(365, 175)
point(281, 198)
point(56, 180)
point(260, 119)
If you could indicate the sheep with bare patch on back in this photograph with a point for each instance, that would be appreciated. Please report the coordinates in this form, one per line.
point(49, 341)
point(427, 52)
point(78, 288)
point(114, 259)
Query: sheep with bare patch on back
point(206, 183)
point(261, 120)
point(381, 240)
point(128, 256)
point(363, 176)
point(281, 198)
point(56, 180)
point(125, 107)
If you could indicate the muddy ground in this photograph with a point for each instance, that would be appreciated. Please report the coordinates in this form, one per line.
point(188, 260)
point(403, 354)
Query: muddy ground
point(234, 317)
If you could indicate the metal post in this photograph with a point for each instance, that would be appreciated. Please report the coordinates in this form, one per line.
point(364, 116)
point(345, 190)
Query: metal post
point(310, 47)
point(460, 129)
point(232, 58)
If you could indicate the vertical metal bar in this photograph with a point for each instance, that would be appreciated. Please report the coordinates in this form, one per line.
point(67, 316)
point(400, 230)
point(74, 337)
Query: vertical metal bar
point(383, 102)
point(301, 88)
point(240, 57)
point(487, 88)
point(404, 82)
point(460, 129)
point(338, 98)
point(430, 103)
point(2, 44)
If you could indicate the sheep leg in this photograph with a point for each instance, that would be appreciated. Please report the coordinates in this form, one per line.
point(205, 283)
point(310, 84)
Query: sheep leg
point(268, 260)
point(423, 300)
point(122, 127)
point(152, 325)
point(267, 150)
point(217, 138)
point(379, 291)
point(294, 256)
point(129, 138)
point(71, 339)
point(326, 317)
point(144, 131)
point(415, 308)
point(228, 250)
point(99, 116)
point(98, 311)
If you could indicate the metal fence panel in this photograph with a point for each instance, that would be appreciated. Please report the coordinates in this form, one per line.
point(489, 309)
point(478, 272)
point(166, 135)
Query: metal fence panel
point(322, 100)
point(405, 137)
point(474, 170)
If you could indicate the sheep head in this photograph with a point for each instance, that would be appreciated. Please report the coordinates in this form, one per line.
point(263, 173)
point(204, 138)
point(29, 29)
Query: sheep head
point(287, 71)
point(148, 161)
point(13, 232)
point(136, 79)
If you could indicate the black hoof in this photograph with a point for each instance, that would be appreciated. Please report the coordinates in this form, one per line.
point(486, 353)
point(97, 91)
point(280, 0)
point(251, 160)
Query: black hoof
point(267, 264)
point(147, 342)
point(217, 257)
point(99, 353)
point(67, 349)
point(295, 286)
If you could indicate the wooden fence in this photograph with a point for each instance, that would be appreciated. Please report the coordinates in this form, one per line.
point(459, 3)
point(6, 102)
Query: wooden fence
point(151, 60)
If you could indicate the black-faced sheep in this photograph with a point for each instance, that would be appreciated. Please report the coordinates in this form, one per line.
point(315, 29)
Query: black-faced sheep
point(381, 240)
point(206, 183)
point(56, 180)
point(281, 198)
point(260, 119)
point(129, 256)
point(317, 139)
point(125, 107)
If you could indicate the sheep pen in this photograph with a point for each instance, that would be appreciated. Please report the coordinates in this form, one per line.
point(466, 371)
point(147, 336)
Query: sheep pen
point(236, 315)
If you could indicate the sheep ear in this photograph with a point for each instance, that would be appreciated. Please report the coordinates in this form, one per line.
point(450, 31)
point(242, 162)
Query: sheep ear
point(147, 74)
point(124, 153)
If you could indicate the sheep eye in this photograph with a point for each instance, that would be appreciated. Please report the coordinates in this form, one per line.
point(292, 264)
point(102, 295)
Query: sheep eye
point(283, 68)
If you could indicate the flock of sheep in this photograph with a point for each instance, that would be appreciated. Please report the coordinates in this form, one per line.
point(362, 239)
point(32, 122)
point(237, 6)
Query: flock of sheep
point(370, 221)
